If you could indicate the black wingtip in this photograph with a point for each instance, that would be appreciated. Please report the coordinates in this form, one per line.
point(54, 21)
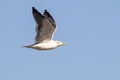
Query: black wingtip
point(45, 10)
point(34, 10)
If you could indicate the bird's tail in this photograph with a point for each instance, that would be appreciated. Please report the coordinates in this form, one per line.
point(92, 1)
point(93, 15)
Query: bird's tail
point(28, 46)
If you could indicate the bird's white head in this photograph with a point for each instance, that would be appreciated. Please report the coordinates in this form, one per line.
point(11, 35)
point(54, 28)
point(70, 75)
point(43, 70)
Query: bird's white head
point(59, 43)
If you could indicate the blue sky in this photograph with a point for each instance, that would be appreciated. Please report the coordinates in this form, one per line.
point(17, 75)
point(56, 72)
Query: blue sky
point(91, 29)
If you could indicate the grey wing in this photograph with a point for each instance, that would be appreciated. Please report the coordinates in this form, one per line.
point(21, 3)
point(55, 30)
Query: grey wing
point(51, 22)
point(43, 29)
point(49, 18)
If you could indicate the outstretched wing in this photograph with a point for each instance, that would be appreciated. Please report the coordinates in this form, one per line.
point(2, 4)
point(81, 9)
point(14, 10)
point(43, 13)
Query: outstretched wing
point(44, 27)
point(49, 18)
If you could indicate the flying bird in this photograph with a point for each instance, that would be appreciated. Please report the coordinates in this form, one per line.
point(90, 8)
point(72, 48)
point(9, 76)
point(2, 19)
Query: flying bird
point(45, 28)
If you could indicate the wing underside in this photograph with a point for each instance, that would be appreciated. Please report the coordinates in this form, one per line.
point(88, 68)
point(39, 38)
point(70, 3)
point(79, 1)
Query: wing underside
point(45, 25)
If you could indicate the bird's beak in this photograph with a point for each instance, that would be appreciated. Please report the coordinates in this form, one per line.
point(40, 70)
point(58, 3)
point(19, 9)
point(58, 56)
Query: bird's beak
point(64, 44)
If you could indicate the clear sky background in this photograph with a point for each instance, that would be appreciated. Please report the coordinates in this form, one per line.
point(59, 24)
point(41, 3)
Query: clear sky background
point(91, 29)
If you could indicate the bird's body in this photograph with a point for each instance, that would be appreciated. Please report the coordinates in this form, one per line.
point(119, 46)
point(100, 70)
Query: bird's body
point(45, 27)
point(46, 45)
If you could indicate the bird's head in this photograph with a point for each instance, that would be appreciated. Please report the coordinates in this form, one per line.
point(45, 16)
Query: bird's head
point(59, 43)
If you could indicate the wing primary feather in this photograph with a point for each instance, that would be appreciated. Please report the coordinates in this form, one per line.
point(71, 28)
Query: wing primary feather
point(49, 18)
point(37, 15)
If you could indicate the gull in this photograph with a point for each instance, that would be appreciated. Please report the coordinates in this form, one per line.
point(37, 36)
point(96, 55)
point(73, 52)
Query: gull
point(45, 28)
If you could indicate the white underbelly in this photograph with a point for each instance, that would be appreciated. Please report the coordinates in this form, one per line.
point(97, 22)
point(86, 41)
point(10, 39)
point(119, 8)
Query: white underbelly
point(45, 46)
